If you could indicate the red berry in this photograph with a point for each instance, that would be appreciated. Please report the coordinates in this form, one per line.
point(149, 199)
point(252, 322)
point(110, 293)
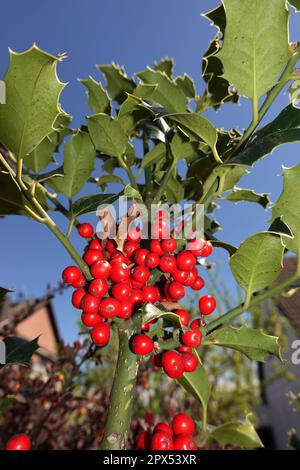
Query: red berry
point(109, 308)
point(161, 441)
point(183, 316)
point(136, 284)
point(184, 349)
point(176, 290)
point(190, 279)
point(71, 274)
point(80, 282)
point(121, 291)
point(98, 288)
point(100, 334)
point(172, 364)
point(207, 249)
point(140, 256)
point(141, 274)
point(85, 230)
point(196, 323)
point(95, 245)
point(90, 304)
point(192, 338)
point(136, 296)
point(180, 276)
point(143, 441)
point(155, 247)
point(198, 284)
point(119, 256)
point(207, 304)
point(185, 442)
point(130, 248)
point(141, 345)
point(183, 424)
point(126, 309)
point(91, 256)
point(190, 362)
point(149, 294)
point(77, 297)
point(101, 269)
point(119, 271)
point(169, 245)
point(186, 260)
point(111, 246)
point(152, 260)
point(168, 263)
point(91, 319)
point(165, 427)
point(134, 234)
point(18, 442)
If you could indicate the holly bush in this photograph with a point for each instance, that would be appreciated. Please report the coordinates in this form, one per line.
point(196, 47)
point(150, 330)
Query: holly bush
point(133, 284)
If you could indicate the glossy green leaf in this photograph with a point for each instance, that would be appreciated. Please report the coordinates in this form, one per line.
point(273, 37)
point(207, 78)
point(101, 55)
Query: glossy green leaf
point(255, 344)
point(284, 129)
point(11, 199)
point(131, 193)
point(79, 156)
point(107, 135)
point(248, 65)
point(104, 180)
point(241, 195)
point(258, 261)
point(158, 153)
point(241, 434)
point(32, 94)
point(98, 99)
point(151, 312)
point(287, 206)
point(186, 84)
point(131, 113)
point(295, 4)
point(165, 65)
point(118, 84)
point(167, 93)
point(19, 351)
point(87, 204)
point(182, 150)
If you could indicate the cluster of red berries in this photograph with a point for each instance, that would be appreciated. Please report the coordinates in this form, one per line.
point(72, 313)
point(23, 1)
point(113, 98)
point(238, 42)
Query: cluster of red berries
point(122, 280)
point(18, 442)
point(178, 436)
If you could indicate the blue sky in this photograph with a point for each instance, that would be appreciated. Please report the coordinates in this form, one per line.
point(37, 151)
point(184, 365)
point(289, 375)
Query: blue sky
point(135, 34)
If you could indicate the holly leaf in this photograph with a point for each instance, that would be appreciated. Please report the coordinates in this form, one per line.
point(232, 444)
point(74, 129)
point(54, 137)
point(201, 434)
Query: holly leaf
point(258, 261)
point(104, 180)
point(117, 82)
point(11, 199)
point(284, 129)
point(287, 207)
point(248, 65)
point(107, 135)
point(79, 156)
point(186, 84)
point(241, 195)
point(87, 204)
point(157, 154)
point(165, 65)
point(32, 94)
point(241, 434)
point(98, 99)
point(295, 4)
point(19, 351)
point(255, 344)
point(151, 312)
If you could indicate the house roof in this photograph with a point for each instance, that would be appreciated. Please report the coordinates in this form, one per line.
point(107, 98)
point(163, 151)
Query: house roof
point(290, 306)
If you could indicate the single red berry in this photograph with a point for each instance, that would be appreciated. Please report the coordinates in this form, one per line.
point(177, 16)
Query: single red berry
point(183, 316)
point(111, 246)
point(95, 245)
point(155, 247)
point(207, 249)
point(91, 319)
point(141, 345)
point(186, 260)
point(136, 284)
point(169, 245)
point(180, 276)
point(98, 288)
point(90, 304)
point(176, 290)
point(119, 271)
point(80, 282)
point(165, 427)
point(172, 364)
point(198, 284)
point(207, 304)
point(192, 338)
point(77, 297)
point(109, 308)
point(184, 349)
point(161, 441)
point(18, 442)
point(183, 424)
point(136, 296)
point(152, 260)
point(134, 234)
point(149, 294)
point(71, 274)
point(126, 309)
point(141, 274)
point(101, 269)
point(167, 263)
point(130, 248)
point(121, 291)
point(140, 256)
point(143, 441)
point(119, 256)
point(85, 230)
point(196, 323)
point(91, 256)
point(190, 362)
point(185, 442)
point(100, 334)
point(146, 327)
point(190, 279)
